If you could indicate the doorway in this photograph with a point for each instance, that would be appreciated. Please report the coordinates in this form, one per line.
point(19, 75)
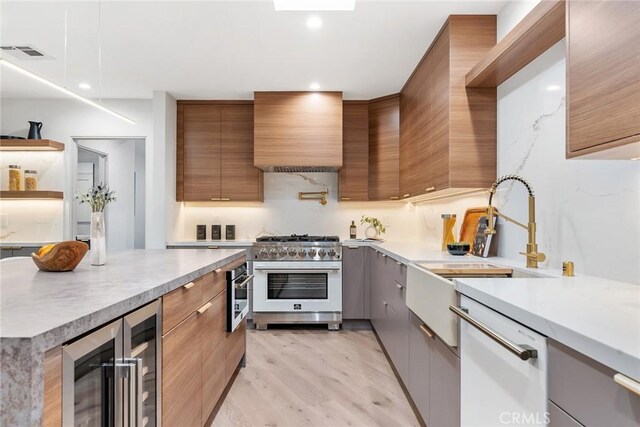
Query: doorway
point(118, 163)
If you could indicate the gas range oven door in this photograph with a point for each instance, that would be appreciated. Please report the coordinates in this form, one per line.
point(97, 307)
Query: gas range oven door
point(297, 286)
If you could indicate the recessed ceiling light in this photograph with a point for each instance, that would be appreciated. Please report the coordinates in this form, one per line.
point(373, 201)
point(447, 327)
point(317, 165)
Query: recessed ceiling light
point(84, 85)
point(553, 88)
point(314, 22)
point(314, 86)
point(281, 5)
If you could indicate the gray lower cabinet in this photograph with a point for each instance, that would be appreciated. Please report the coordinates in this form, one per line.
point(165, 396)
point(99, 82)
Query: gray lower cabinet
point(586, 390)
point(559, 418)
point(389, 312)
point(419, 353)
point(13, 251)
point(354, 283)
point(434, 376)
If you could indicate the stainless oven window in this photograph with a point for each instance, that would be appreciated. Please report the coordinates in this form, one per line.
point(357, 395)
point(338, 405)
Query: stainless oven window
point(297, 286)
point(94, 387)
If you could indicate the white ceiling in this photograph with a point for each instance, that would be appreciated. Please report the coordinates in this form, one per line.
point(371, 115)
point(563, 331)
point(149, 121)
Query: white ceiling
point(222, 49)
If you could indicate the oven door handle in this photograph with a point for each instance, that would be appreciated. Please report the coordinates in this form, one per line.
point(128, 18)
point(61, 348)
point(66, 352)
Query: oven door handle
point(298, 270)
point(245, 282)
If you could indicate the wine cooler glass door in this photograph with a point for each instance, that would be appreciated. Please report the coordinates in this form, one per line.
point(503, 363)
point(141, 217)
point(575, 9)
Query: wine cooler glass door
point(142, 353)
point(91, 393)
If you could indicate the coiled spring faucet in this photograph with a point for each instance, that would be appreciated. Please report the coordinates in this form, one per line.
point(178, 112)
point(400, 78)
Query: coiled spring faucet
point(532, 254)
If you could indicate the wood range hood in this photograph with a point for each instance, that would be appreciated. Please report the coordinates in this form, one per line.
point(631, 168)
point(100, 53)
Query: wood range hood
point(298, 131)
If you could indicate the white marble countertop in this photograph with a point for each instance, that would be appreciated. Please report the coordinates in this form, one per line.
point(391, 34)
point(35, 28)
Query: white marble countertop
point(597, 317)
point(207, 243)
point(55, 307)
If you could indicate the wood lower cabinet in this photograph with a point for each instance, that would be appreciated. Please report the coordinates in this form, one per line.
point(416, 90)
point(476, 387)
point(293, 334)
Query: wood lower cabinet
point(181, 379)
point(384, 148)
point(354, 284)
point(213, 341)
point(353, 177)
point(603, 79)
point(448, 131)
point(215, 152)
point(198, 355)
point(52, 414)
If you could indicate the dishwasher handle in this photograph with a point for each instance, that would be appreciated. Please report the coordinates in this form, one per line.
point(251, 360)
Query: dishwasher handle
point(524, 352)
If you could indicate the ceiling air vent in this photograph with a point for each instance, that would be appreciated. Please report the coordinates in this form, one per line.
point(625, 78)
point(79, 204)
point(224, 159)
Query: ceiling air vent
point(24, 51)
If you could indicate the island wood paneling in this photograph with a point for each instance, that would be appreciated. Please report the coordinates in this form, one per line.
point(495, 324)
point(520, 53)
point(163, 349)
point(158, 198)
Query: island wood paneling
point(603, 79)
point(384, 148)
point(447, 131)
point(52, 416)
point(198, 152)
point(543, 27)
point(213, 328)
point(353, 177)
point(181, 375)
point(298, 129)
point(241, 180)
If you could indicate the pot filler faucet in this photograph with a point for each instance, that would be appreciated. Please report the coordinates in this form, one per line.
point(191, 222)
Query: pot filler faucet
point(532, 254)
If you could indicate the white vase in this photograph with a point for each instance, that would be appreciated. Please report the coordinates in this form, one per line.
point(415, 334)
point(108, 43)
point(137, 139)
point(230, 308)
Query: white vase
point(371, 232)
point(98, 252)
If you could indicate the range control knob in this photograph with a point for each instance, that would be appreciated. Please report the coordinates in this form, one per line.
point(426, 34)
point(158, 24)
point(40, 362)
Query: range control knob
point(312, 252)
point(302, 253)
point(292, 252)
point(273, 253)
point(322, 253)
point(332, 252)
point(282, 251)
point(262, 253)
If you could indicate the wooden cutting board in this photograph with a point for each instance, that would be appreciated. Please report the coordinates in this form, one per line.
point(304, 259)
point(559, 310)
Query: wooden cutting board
point(458, 268)
point(470, 223)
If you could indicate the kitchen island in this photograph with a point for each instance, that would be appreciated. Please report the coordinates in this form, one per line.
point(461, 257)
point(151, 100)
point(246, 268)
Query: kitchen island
point(41, 310)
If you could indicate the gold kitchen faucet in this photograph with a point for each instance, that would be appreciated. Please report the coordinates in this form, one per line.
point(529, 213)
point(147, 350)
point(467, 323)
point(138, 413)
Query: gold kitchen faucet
point(532, 254)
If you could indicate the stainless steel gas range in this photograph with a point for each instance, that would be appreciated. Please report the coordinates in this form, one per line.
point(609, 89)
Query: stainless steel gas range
point(297, 279)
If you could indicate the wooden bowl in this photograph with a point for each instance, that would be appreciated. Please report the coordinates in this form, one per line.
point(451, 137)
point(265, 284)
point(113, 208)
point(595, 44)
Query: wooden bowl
point(64, 256)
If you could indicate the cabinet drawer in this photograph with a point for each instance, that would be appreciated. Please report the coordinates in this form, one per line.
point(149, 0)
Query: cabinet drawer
point(392, 327)
point(559, 418)
point(213, 283)
point(235, 348)
point(178, 304)
point(585, 389)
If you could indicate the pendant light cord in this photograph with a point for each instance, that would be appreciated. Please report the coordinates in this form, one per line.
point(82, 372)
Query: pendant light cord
point(100, 51)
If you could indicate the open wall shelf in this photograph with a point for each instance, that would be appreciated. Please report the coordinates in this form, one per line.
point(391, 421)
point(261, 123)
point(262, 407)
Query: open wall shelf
point(31, 195)
point(30, 145)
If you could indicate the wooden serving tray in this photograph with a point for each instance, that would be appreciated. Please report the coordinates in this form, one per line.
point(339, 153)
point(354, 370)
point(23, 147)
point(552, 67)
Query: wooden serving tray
point(470, 224)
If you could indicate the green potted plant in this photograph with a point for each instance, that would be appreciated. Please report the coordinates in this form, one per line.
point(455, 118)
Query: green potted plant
point(375, 227)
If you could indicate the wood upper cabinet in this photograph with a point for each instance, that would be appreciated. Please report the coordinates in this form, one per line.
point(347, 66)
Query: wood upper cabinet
point(240, 179)
point(384, 148)
point(603, 79)
point(448, 131)
point(298, 129)
point(215, 152)
point(198, 152)
point(353, 177)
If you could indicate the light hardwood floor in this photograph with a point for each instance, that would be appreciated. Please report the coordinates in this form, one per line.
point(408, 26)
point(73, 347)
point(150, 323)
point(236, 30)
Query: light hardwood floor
point(312, 377)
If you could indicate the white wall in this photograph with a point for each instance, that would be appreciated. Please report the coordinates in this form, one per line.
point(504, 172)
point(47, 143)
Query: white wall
point(139, 211)
point(64, 119)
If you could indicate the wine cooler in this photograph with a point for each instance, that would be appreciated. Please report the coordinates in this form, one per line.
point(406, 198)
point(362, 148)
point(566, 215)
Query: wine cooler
point(111, 376)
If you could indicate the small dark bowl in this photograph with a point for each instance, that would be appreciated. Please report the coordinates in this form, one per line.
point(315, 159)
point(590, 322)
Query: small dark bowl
point(460, 248)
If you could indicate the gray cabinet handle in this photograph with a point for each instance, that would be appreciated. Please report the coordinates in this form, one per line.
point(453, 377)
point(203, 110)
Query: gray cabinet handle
point(626, 382)
point(524, 352)
point(213, 247)
point(398, 263)
point(399, 285)
point(353, 247)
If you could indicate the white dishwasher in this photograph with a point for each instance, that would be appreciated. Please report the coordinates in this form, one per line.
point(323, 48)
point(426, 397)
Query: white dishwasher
point(503, 369)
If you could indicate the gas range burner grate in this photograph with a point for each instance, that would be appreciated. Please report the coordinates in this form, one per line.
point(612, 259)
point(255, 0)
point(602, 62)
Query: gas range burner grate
point(298, 238)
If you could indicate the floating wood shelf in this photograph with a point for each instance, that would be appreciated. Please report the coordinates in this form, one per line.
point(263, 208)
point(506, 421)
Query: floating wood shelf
point(31, 195)
point(30, 145)
point(543, 27)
